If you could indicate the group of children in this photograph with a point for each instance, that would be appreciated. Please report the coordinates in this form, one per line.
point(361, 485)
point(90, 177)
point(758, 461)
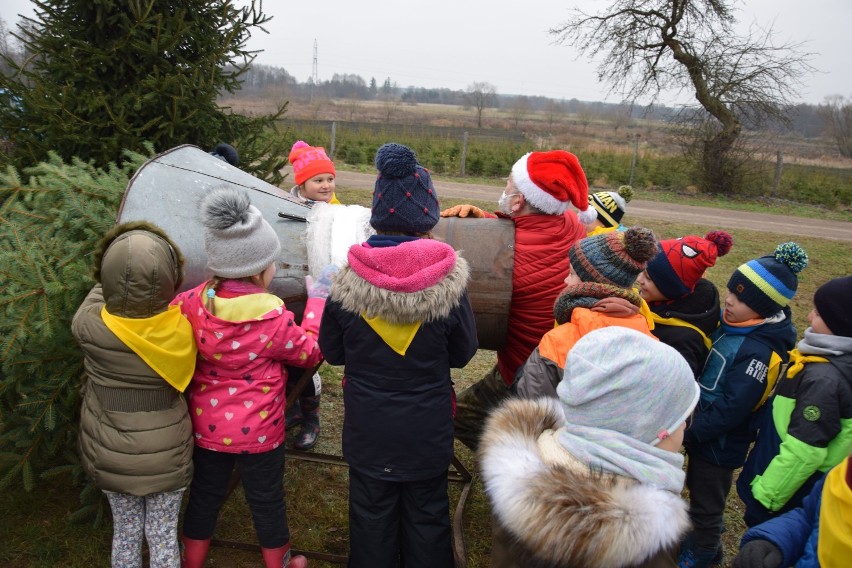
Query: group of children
point(641, 360)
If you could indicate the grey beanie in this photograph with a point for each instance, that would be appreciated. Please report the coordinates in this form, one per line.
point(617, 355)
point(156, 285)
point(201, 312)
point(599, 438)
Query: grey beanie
point(238, 239)
point(621, 380)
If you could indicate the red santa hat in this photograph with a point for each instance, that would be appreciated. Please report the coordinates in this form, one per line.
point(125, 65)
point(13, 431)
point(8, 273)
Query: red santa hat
point(551, 180)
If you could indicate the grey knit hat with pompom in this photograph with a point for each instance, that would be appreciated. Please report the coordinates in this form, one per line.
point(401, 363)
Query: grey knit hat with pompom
point(404, 199)
point(239, 241)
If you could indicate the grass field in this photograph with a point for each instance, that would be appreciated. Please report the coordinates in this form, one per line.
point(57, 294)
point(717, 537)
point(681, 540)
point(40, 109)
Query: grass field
point(35, 531)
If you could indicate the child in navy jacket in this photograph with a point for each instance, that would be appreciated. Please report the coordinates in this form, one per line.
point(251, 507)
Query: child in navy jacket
point(748, 350)
point(399, 318)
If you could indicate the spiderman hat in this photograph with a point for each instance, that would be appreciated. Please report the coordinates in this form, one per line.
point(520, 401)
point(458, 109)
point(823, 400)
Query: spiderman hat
point(680, 263)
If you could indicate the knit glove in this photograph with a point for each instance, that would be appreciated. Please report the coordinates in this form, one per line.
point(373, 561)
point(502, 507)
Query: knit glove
point(464, 211)
point(322, 286)
point(758, 554)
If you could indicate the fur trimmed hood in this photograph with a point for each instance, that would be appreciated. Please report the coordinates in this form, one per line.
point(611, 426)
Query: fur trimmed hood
point(564, 515)
point(434, 302)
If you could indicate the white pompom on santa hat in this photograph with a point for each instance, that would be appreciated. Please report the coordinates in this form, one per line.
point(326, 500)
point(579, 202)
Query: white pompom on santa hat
point(552, 180)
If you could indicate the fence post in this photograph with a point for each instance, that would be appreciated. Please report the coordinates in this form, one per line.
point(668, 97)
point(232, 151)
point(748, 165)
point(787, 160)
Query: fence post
point(464, 152)
point(333, 137)
point(779, 165)
point(635, 155)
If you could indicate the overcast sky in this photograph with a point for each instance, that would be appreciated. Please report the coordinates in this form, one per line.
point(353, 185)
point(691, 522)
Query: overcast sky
point(452, 43)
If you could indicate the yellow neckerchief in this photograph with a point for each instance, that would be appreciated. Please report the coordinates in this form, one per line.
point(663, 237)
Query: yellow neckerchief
point(398, 336)
point(245, 307)
point(600, 231)
point(798, 362)
point(334, 200)
point(645, 310)
point(834, 540)
point(682, 323)
point(164, 341)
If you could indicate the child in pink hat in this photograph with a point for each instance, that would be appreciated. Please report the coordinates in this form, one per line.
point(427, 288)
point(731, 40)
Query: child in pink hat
point(315, 174)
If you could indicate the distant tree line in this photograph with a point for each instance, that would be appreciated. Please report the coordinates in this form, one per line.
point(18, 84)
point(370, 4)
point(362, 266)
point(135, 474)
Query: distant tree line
point(807, 120)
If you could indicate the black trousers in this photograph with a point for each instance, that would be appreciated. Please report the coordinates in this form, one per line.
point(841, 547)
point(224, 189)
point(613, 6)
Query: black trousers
point(262, 476)
point(709, 485)
point(399, 523)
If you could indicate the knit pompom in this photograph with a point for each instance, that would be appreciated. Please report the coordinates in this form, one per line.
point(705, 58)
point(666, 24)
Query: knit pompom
point(640, 243)
point(300, 144)
point(395, 160)
point(224, 207)
point(626, 193)
point(792, 255)
point(722, 240)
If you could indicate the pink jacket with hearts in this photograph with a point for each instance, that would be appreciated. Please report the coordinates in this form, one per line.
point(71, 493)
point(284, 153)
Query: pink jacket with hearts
point(236, 397)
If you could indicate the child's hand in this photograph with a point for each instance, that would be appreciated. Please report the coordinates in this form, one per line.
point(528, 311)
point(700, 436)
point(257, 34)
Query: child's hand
point(321, 287)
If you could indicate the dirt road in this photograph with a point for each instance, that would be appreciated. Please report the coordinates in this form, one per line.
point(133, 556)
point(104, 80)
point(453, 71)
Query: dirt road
point(717, 218)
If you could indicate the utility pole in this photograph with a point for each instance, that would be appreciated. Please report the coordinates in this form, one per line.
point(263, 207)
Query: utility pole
point(314, 72)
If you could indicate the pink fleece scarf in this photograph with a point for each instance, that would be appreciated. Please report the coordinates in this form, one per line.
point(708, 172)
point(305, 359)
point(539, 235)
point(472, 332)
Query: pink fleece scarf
point(408, 267)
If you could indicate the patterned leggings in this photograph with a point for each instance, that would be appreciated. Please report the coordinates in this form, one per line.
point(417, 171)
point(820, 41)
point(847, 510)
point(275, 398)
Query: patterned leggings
point(155, 517)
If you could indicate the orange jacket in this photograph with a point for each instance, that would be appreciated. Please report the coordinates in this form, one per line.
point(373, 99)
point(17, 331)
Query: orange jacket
point(544, 368)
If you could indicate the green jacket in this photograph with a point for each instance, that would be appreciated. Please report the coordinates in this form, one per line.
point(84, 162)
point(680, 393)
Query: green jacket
point(135, 431)
point(810, 430)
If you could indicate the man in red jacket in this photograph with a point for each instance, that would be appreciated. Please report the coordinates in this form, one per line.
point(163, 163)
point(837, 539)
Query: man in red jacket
point(537, 195)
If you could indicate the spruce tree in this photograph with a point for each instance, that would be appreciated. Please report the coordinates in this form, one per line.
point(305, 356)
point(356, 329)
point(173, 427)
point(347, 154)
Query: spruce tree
point(105, 76)
point(50, 223)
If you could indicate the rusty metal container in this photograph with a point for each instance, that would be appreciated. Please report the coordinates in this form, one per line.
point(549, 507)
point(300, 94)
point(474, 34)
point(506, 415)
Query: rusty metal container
point(166, 191)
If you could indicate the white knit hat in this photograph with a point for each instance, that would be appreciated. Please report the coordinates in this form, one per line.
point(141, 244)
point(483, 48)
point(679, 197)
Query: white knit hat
point(238, 239)
point(622, 380)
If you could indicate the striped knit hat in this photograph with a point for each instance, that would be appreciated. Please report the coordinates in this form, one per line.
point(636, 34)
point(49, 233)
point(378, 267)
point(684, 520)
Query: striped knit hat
point(610, 205)
point(309, 161)
point(767, 284)
point(614, 258)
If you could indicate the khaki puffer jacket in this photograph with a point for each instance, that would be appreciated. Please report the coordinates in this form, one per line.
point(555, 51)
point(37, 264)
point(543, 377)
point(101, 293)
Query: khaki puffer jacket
point(135, 431)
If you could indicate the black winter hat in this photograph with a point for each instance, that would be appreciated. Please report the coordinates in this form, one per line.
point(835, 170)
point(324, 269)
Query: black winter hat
point(833, 301)
point(227, 153)
point(404, 199)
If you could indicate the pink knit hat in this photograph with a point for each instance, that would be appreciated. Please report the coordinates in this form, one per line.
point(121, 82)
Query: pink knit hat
point(309, 161)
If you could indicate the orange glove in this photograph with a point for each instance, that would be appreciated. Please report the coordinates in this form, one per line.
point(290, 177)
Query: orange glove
point(465, 211)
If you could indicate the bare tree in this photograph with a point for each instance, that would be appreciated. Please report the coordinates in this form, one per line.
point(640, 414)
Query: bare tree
point(390, 105)
point(836, 115)
point(518, 108)
point(352, 106)
point(648, 46)
point(481, 95)
point(554, 110)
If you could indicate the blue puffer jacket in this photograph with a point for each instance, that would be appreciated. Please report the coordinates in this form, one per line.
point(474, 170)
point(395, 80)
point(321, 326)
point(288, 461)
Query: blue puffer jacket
point(733, 384)
point(795, 533)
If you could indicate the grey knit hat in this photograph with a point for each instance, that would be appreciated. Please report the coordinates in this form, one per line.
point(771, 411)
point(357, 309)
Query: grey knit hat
point(621, 380)
point(238, 239)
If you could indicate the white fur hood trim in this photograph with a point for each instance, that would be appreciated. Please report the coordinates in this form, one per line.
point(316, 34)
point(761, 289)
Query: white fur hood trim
point(560, 513)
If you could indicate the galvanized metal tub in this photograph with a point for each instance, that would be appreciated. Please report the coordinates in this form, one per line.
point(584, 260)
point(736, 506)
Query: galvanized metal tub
point(166, 191)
